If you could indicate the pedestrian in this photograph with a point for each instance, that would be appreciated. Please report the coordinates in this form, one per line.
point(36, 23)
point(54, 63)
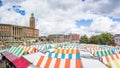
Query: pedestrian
point(0, 58)
point(7, 64)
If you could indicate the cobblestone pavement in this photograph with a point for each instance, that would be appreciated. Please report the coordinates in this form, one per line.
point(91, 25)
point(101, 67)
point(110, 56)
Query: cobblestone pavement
point(2, 65)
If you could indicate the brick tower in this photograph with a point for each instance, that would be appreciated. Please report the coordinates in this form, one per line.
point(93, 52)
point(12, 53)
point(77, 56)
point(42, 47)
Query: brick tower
point(32, 21)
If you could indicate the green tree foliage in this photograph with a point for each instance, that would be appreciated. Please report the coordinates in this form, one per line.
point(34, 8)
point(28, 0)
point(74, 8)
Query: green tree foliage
point(104, 38)
point(94, 39)
point(84, 39)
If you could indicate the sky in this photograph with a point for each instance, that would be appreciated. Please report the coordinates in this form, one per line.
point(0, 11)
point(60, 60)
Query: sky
point(90, 17)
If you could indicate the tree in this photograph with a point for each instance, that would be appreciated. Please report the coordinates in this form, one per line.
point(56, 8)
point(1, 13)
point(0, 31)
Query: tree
point(106, 38)
point(94, 39)
point(103, 39)
point(84, 39)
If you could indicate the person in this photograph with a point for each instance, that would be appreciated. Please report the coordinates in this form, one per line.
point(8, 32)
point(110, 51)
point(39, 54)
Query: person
point(10, 65)
point(0, 58)
point(7, 64)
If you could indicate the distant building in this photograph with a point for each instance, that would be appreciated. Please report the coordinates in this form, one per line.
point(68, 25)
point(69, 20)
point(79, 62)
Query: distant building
point(43, 38)
point(67, 38)
point(18, 34)
point(75, 38)
point(117, 39)
point(58, 38)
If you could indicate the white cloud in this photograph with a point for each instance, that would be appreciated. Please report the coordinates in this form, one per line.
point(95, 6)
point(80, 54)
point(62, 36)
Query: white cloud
point(59, 16)
point(101, 24)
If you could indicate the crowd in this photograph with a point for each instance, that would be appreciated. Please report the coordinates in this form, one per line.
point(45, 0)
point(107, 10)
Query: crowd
point(4, 63)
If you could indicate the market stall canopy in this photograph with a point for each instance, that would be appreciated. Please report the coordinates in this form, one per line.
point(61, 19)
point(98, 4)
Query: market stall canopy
point(11, 57)
point(6, 53)
point(16, 51)
point(92, 63)
point(63, 56)
point(21, 63)
point(31, 57)
point(1, 51)
point(48, 62)
point(112, 61)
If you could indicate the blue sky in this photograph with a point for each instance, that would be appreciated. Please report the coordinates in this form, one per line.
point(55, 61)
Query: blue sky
point(64, 16)
point(18, 10)
point(84, 22)
point(115, 19)
point(1, 3)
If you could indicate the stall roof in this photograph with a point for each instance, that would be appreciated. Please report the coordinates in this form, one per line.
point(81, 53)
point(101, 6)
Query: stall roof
point(31, 57)
point(1, 51)
point(6, 53)
point(21, 63)
point(48, 62)
point(92, 63)
point(11, 57)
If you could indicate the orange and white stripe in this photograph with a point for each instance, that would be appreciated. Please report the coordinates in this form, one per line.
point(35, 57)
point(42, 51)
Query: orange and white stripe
point(48, 62)
point(112, 61)
point(32, 50)
point(67, 51)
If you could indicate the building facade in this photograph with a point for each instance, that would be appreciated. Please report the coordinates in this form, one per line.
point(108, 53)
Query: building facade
point(18, 34)
point(58, 38)
point(117, 39)
point(75, 38)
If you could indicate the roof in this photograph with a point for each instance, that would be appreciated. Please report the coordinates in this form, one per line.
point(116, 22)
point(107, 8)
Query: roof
point(31, 57)
point(1, 51)
point(18, 26)
point(21, 63)
point(116, 35)
point(92, 63)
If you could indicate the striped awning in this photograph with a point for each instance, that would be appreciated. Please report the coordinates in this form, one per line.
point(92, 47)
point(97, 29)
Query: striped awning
point(112, 60)
point(63, 56)
point(19, 62)
point(31, 57)
point(21, 50)
point(6, 53)
point(16, 51)
point(48, 62)
point(67, 51)
point(103, 53)
point(11, 57)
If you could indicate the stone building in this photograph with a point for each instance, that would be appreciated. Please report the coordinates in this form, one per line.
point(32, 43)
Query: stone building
point(117, 39)
point(14, 34)
point(58, 38)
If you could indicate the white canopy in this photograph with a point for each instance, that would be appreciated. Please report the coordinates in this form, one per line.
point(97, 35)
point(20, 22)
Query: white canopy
point(92, 63)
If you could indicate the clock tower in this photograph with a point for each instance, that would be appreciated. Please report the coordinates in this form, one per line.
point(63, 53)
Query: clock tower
point(32, 21)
